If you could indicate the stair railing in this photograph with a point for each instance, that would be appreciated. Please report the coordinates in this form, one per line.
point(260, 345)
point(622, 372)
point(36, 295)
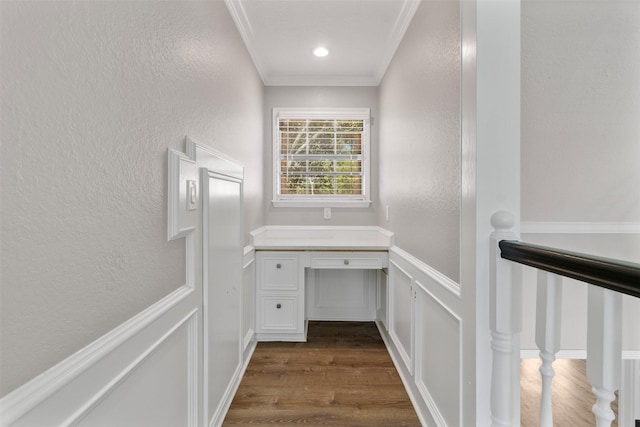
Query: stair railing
point(610, 279)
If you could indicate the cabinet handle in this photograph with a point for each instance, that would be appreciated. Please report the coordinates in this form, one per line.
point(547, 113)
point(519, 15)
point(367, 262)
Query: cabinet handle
point(278, 265)
point(278, 306)
point(346, 262)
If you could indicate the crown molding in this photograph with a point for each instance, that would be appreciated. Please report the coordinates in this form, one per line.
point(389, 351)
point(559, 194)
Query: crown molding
point(243, 24)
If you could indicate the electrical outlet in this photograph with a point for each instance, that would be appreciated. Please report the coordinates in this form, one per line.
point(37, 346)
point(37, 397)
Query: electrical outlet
point(327, 213)
point(387, 213)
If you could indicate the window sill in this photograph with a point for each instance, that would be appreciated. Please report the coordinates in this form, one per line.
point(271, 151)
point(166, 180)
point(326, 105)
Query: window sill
point(321, 203)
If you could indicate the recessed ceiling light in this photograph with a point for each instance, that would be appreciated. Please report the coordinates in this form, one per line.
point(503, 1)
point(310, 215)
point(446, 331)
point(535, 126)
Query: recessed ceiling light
point(320, 51)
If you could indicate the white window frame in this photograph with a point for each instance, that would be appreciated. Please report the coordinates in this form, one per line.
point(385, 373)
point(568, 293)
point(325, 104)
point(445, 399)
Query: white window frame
point(327, 114)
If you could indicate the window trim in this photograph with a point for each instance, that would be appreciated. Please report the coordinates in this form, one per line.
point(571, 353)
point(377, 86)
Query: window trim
point(322, 113)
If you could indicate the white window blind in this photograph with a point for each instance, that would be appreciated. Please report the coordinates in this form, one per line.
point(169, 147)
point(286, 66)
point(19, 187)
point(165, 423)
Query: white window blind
point(321, 155)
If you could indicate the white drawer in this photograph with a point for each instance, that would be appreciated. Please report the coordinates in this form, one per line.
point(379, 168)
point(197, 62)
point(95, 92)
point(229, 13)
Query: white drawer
point(279, 273)
point(278, 313)
point(356, 260)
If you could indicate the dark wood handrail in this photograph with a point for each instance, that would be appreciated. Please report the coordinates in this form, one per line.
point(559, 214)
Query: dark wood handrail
point(619, 276)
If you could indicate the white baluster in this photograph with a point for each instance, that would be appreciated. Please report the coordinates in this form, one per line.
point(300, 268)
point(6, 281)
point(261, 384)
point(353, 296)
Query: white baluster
point(506, 325)
point(604, 350)
point(548, 326)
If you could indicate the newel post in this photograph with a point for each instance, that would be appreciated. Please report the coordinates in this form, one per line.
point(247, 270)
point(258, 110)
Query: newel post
point(506, 325)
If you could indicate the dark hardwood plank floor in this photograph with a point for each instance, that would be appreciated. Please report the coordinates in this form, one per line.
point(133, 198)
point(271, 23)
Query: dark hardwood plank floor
point(342, 376)
point(571, 394)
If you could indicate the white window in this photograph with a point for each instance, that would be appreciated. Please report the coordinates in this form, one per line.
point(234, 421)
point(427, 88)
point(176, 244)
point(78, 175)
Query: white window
point(321, 157)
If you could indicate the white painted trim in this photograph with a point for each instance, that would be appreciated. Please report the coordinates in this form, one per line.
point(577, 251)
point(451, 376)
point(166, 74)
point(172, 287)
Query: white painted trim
point(532, 227)
point(575, 354)
point(19, 402)
point(239, 16)
point(450, 285)
point(93, 402)
point(400, 27)
point(214, 160)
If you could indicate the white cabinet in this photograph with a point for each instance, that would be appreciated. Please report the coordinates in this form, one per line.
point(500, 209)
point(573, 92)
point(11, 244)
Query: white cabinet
point(280, 296)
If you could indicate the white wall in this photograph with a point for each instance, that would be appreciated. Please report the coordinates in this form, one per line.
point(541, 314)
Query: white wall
point(581, 110)
point(93, 94)
point(419, 130)
point(319, 97)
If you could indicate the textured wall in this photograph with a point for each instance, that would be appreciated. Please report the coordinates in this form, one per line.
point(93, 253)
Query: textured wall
point(581, 110)
point(318, 97)
point(93, 93)
point(419, 131)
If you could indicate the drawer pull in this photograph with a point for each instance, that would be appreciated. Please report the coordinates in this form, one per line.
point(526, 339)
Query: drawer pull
point(278, 265)
point(346, 262)
point(278, 306)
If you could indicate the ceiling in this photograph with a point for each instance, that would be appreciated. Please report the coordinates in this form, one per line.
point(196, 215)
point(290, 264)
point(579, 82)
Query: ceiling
point(361, 35)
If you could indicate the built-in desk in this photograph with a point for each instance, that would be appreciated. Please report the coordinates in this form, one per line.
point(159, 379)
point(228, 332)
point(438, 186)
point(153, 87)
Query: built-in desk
point(285, 257)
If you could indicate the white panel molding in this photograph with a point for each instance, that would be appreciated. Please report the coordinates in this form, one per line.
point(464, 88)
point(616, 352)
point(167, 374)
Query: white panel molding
point(433, 274)
point(532, 227)
point(112, 386)
point(422, 387)
point(24, 399)
point(444, 292)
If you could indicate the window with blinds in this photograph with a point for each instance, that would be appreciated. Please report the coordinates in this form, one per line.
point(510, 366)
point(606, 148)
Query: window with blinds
point(321, 155)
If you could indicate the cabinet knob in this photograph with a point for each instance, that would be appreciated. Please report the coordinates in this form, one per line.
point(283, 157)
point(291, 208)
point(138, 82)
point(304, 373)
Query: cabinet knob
point(278, 265)
point(278, 306)
point(346, 262)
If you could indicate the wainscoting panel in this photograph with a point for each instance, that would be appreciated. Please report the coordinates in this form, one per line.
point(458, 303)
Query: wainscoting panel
point(139, 396)
point(424, 337)
point(438, 339)
point(145, 372)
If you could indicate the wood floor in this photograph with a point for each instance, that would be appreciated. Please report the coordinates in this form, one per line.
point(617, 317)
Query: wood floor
point(571, 394)
point(342, 376)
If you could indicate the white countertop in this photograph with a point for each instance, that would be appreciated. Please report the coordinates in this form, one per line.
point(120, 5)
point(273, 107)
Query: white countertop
point(356, 238)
